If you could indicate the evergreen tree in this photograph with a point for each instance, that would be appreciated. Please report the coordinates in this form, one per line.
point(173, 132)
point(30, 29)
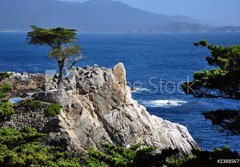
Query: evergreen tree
point(62, 43)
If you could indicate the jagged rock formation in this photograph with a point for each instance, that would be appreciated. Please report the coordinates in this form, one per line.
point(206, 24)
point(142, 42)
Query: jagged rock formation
point(98, 107)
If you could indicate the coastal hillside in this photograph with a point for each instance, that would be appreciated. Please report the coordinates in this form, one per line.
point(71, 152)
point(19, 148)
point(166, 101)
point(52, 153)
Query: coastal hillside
point(94, 16)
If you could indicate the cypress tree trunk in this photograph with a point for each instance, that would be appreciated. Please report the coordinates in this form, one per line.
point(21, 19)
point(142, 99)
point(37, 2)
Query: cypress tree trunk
point(60, 67)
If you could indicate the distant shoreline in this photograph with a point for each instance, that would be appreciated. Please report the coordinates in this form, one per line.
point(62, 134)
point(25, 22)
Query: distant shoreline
point(86, 32)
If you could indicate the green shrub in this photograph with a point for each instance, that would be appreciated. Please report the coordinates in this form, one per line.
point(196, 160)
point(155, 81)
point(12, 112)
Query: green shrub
point(4, 75)
point(12, 138)
point(32, 104)
point(4, 88)
point(53, 110)
point(22, 148)
point(6, 110)
point(137, 155)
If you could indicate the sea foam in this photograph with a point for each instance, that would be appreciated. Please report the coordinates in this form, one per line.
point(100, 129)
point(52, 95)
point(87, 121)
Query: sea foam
point(164, 103)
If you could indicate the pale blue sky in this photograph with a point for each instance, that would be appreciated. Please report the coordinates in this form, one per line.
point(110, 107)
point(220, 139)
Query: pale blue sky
point(226, 12)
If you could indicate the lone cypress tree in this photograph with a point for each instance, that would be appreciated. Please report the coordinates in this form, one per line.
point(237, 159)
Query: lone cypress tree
point(62, 43)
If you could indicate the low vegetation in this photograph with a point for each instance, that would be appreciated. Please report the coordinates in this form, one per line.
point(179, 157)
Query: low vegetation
point(6, 110)
point(23, 148)
point(4, 88)
point(53, 110)
point(32, 105)
point(4, 75)
point(137, 155)
point(50, 110)
point(227, 120)
point(215, 158)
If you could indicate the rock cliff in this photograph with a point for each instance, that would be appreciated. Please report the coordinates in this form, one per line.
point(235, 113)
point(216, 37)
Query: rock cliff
point(97, 107)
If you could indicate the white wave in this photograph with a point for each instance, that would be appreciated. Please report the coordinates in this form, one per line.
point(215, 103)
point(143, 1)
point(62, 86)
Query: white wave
point(141, 90)
point(164, 103)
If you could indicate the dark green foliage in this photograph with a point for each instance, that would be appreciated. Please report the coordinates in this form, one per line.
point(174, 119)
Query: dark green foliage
point(22, 149)
point(4, 75)
point(139, 156)
point(6, 111)
point(201, 42)
point(12, 138)
point(53, 37)
point(61, 41)
point(209, 158)
point(53, 110)
point(50, 110)
point(134, 156)
point(32, 105)
point(4, 88)
point(227, 77)
point(227, 120)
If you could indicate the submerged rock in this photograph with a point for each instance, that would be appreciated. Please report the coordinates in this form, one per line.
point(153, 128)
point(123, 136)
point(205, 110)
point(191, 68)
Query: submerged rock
point(98, 107)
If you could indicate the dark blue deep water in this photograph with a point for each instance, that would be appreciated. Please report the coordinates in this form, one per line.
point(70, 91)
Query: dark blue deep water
point(168, 58)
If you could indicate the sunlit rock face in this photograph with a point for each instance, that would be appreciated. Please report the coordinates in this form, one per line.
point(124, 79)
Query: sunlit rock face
point(98, 107)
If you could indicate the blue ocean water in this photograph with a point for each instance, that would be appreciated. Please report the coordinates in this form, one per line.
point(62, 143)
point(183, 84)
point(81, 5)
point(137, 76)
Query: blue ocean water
point(155, 62)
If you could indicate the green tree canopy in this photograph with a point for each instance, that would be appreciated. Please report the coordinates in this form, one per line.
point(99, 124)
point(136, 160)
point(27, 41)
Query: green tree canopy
point(54, 37)
point(227, 58)
point(226, 74)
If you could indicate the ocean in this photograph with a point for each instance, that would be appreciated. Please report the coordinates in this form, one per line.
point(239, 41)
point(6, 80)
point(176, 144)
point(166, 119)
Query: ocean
point(156, 65)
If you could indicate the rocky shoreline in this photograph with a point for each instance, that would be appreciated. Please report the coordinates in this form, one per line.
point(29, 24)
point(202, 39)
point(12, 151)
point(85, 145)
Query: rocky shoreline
point(96, 107)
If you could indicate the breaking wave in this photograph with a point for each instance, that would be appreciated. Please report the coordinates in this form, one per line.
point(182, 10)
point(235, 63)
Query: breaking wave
point(141, 90)
point(164, 103)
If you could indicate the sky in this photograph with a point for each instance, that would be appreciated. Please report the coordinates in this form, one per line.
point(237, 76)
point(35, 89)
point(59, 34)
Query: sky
point(221, 12)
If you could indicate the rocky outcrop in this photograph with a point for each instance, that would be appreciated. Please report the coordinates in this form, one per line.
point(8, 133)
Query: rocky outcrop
point(98, 107)
point(24, 84)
